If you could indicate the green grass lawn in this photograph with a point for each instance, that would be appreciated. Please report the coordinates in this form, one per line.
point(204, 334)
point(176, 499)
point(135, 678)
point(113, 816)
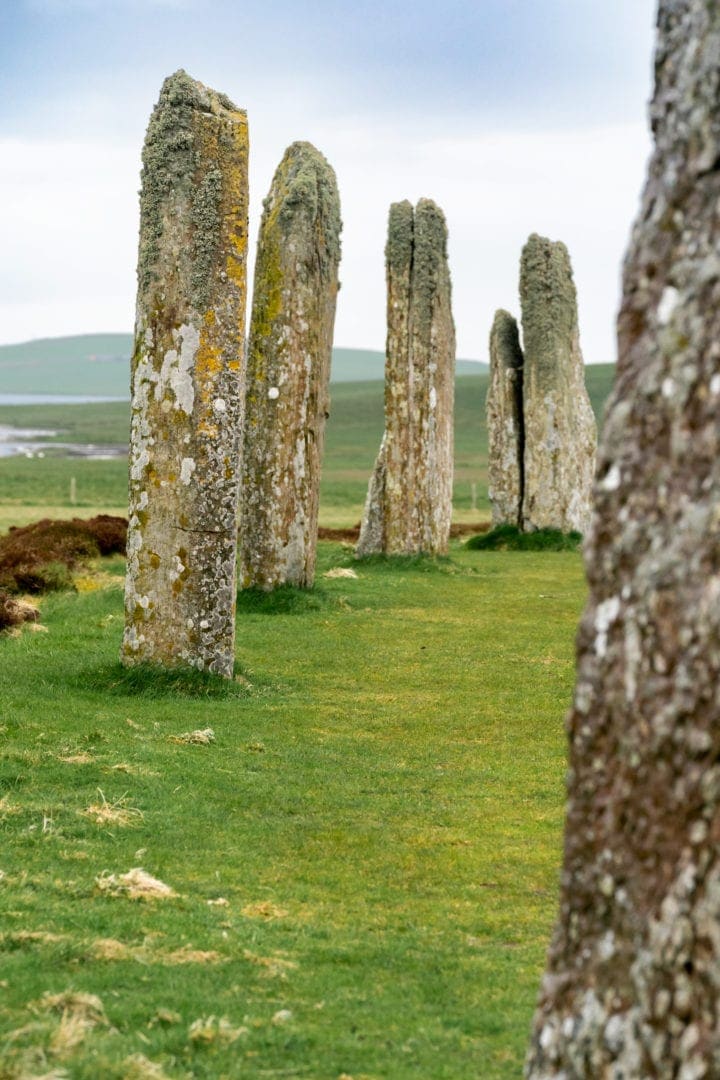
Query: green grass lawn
point(365, 859)
point(364, 862)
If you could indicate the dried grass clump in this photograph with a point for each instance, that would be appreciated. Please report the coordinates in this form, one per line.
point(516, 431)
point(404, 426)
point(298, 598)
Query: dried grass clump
point(139, 1067)
point(137, 884)
point(264, 909)
point(115, 813)
point(210, 1029)
point(110, 949)
point(39, 557)
point(271, 967)
point(340, 572)
point(88, 1007)
point(195, 738)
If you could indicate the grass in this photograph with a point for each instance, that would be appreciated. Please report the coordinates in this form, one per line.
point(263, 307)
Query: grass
point(364, 860)
point(354, 431)
point(361, 858)
point(510, 538)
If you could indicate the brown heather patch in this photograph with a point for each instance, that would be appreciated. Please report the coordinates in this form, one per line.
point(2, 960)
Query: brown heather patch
point(39, 557)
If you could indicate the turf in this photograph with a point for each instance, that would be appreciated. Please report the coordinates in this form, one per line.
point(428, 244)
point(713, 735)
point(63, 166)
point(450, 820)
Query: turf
point(365, 859)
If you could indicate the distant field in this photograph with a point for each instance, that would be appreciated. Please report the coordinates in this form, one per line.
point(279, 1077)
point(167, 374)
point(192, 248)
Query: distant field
point(353, 436)
point(99, 365)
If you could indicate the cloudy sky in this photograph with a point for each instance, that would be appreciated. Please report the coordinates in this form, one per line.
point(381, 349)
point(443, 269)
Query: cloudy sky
point(514, 115)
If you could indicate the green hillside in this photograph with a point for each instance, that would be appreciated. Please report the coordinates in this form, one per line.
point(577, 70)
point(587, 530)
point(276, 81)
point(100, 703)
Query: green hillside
point(98, 365)
point(353, 437)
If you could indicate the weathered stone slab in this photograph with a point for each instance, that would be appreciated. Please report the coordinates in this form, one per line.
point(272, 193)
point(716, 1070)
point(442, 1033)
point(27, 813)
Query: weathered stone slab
point(505, 425)
point(409, 503)
point(559, 425)
point(189, 333)
point(288, 373)
point(633, 979)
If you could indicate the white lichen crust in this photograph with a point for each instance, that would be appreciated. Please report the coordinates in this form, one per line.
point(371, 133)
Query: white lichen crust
point(560, 434)
point(505, 426)
point(632, 987)
point(288, 374)
point(409, 502)
point(189, 333)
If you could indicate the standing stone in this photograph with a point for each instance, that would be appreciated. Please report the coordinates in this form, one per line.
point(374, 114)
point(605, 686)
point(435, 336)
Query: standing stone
point(189, 332)
point(559, 425)
point(409, 503)
point(633, 981)
point(288, 373)
point(505, 425)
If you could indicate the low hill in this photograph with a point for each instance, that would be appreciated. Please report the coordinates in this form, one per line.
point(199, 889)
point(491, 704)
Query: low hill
point(98, 365)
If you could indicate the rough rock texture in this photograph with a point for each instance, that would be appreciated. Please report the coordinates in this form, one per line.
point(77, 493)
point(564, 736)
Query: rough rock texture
point(559, 425)
point(633, 982)
point(409, 501)
point(189, 333)
point(288, 373)
point(505, 425)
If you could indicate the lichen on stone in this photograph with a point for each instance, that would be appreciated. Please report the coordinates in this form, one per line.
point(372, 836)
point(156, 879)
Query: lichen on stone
point(288, 371)
point(409, 501)
point(188, 346)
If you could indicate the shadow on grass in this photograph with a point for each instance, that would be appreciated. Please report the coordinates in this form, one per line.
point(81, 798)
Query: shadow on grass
point(153, 681)
point(424, 564)
point(510, 538)
point(284, 600)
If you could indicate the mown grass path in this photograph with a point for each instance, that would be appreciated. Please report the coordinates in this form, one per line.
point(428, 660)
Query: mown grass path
point(365, 859)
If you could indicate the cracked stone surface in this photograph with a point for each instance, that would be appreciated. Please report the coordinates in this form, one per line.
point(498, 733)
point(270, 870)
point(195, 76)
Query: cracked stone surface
point(189, 334)
point(504, 407)
point(287, 386)
point(409, 502)
point(558, 421)
point(632, 987)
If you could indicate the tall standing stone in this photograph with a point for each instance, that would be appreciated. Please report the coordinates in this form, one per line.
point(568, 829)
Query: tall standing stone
point(409, 503)
point(288, 372)
point(633, 981)
point(189, 333)
point(559, 425)
point(505, 422)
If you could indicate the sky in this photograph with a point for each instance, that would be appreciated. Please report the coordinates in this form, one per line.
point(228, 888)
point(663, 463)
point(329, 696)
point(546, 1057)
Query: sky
point(515, 116)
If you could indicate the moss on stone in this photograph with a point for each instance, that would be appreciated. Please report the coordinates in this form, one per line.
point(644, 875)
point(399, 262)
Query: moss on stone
point(429, 261)
point(400, 237)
